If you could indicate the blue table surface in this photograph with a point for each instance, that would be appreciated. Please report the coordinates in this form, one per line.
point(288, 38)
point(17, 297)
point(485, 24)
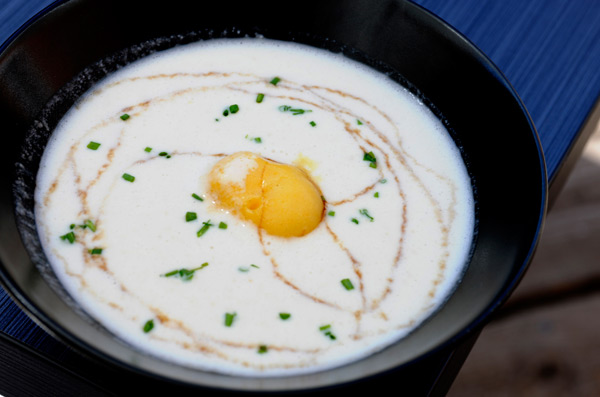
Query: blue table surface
point(548, 49)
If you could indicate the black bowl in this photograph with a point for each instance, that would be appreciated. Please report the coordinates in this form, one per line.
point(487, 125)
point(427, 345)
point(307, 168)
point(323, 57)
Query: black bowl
point(55, 59)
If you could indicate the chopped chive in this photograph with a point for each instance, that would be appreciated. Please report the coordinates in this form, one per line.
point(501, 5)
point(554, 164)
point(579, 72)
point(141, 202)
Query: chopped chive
point(190, 216)
point(253, 265)
point(222, 225)
point(148, 149)
point(204, 228)
point(284, 316)
point(254, 139)
point(234, 109)
point(376, 195)
point(225, 112)
point(347, 284)
point(217, 120)
point(89, 224)
point(148, 326)
point(359, 122)
point(185, 274)
point(326, 332)
point(259, 98)
point(262, 349)
point(331, 213)
point(72, 226)
point(163, 154)
point(366, 213)
point(93, 145)
point(370, 157)
point(244, 269)
point(229, 318)
point(313, 123)
point(125, 116)
point(294, 111)
point(194, 195)
point(128, 178)
point(275, 80)
point(354, 220)
point(70, 237)
point(95, 251)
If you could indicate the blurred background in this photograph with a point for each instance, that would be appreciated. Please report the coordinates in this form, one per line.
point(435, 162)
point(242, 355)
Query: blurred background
point(545, 341)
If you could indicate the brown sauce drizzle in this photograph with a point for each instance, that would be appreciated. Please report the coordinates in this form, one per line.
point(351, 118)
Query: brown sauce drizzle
point(384, 146)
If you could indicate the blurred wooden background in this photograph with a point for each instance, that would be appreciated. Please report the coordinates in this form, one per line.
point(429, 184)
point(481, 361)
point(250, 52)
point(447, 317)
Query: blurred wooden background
point(546, 339)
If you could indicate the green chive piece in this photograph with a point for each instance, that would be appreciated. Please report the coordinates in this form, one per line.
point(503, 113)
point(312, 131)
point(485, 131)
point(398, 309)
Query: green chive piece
point(185, 274)
point(262, 349)
point(70, 237)
point(331, 213)
point(229, 319)
point(366, 213)
point(275, 80)
point(284, 316)
point(190, 216)
point(259, 98)
point(326, 331)
point(194, 195)
point(376, 195)
point(295, 112)
point(354, 220)
point(234, 109)
point(359, 122)
point(93, 145)
point(89, 224)
point(370, 157)
point(128, 178)
point(253, 265)
point(163, 154)
point(222, 225)
point(125, 116)
point(148, 326)
point(347, 284)
point(72, 226)
point(254, 139)
point(204, 228)
point(148, 149)
point(244, 269)
point(95, 251)
point(225, 112)
point(313, 123)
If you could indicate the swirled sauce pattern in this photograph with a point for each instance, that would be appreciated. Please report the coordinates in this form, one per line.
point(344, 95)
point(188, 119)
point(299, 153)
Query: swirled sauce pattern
point(124, 214)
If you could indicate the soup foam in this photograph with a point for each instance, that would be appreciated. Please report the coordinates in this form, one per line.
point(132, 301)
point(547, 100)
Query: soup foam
point(128, 223)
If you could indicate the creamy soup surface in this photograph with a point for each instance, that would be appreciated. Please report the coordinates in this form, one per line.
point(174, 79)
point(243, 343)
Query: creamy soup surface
point(254, 207)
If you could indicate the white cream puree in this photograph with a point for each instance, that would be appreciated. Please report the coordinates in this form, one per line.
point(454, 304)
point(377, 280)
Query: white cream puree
point(402, 264)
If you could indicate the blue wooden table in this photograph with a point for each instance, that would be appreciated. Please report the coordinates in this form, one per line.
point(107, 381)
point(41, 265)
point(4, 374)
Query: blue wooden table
point(548, 49)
